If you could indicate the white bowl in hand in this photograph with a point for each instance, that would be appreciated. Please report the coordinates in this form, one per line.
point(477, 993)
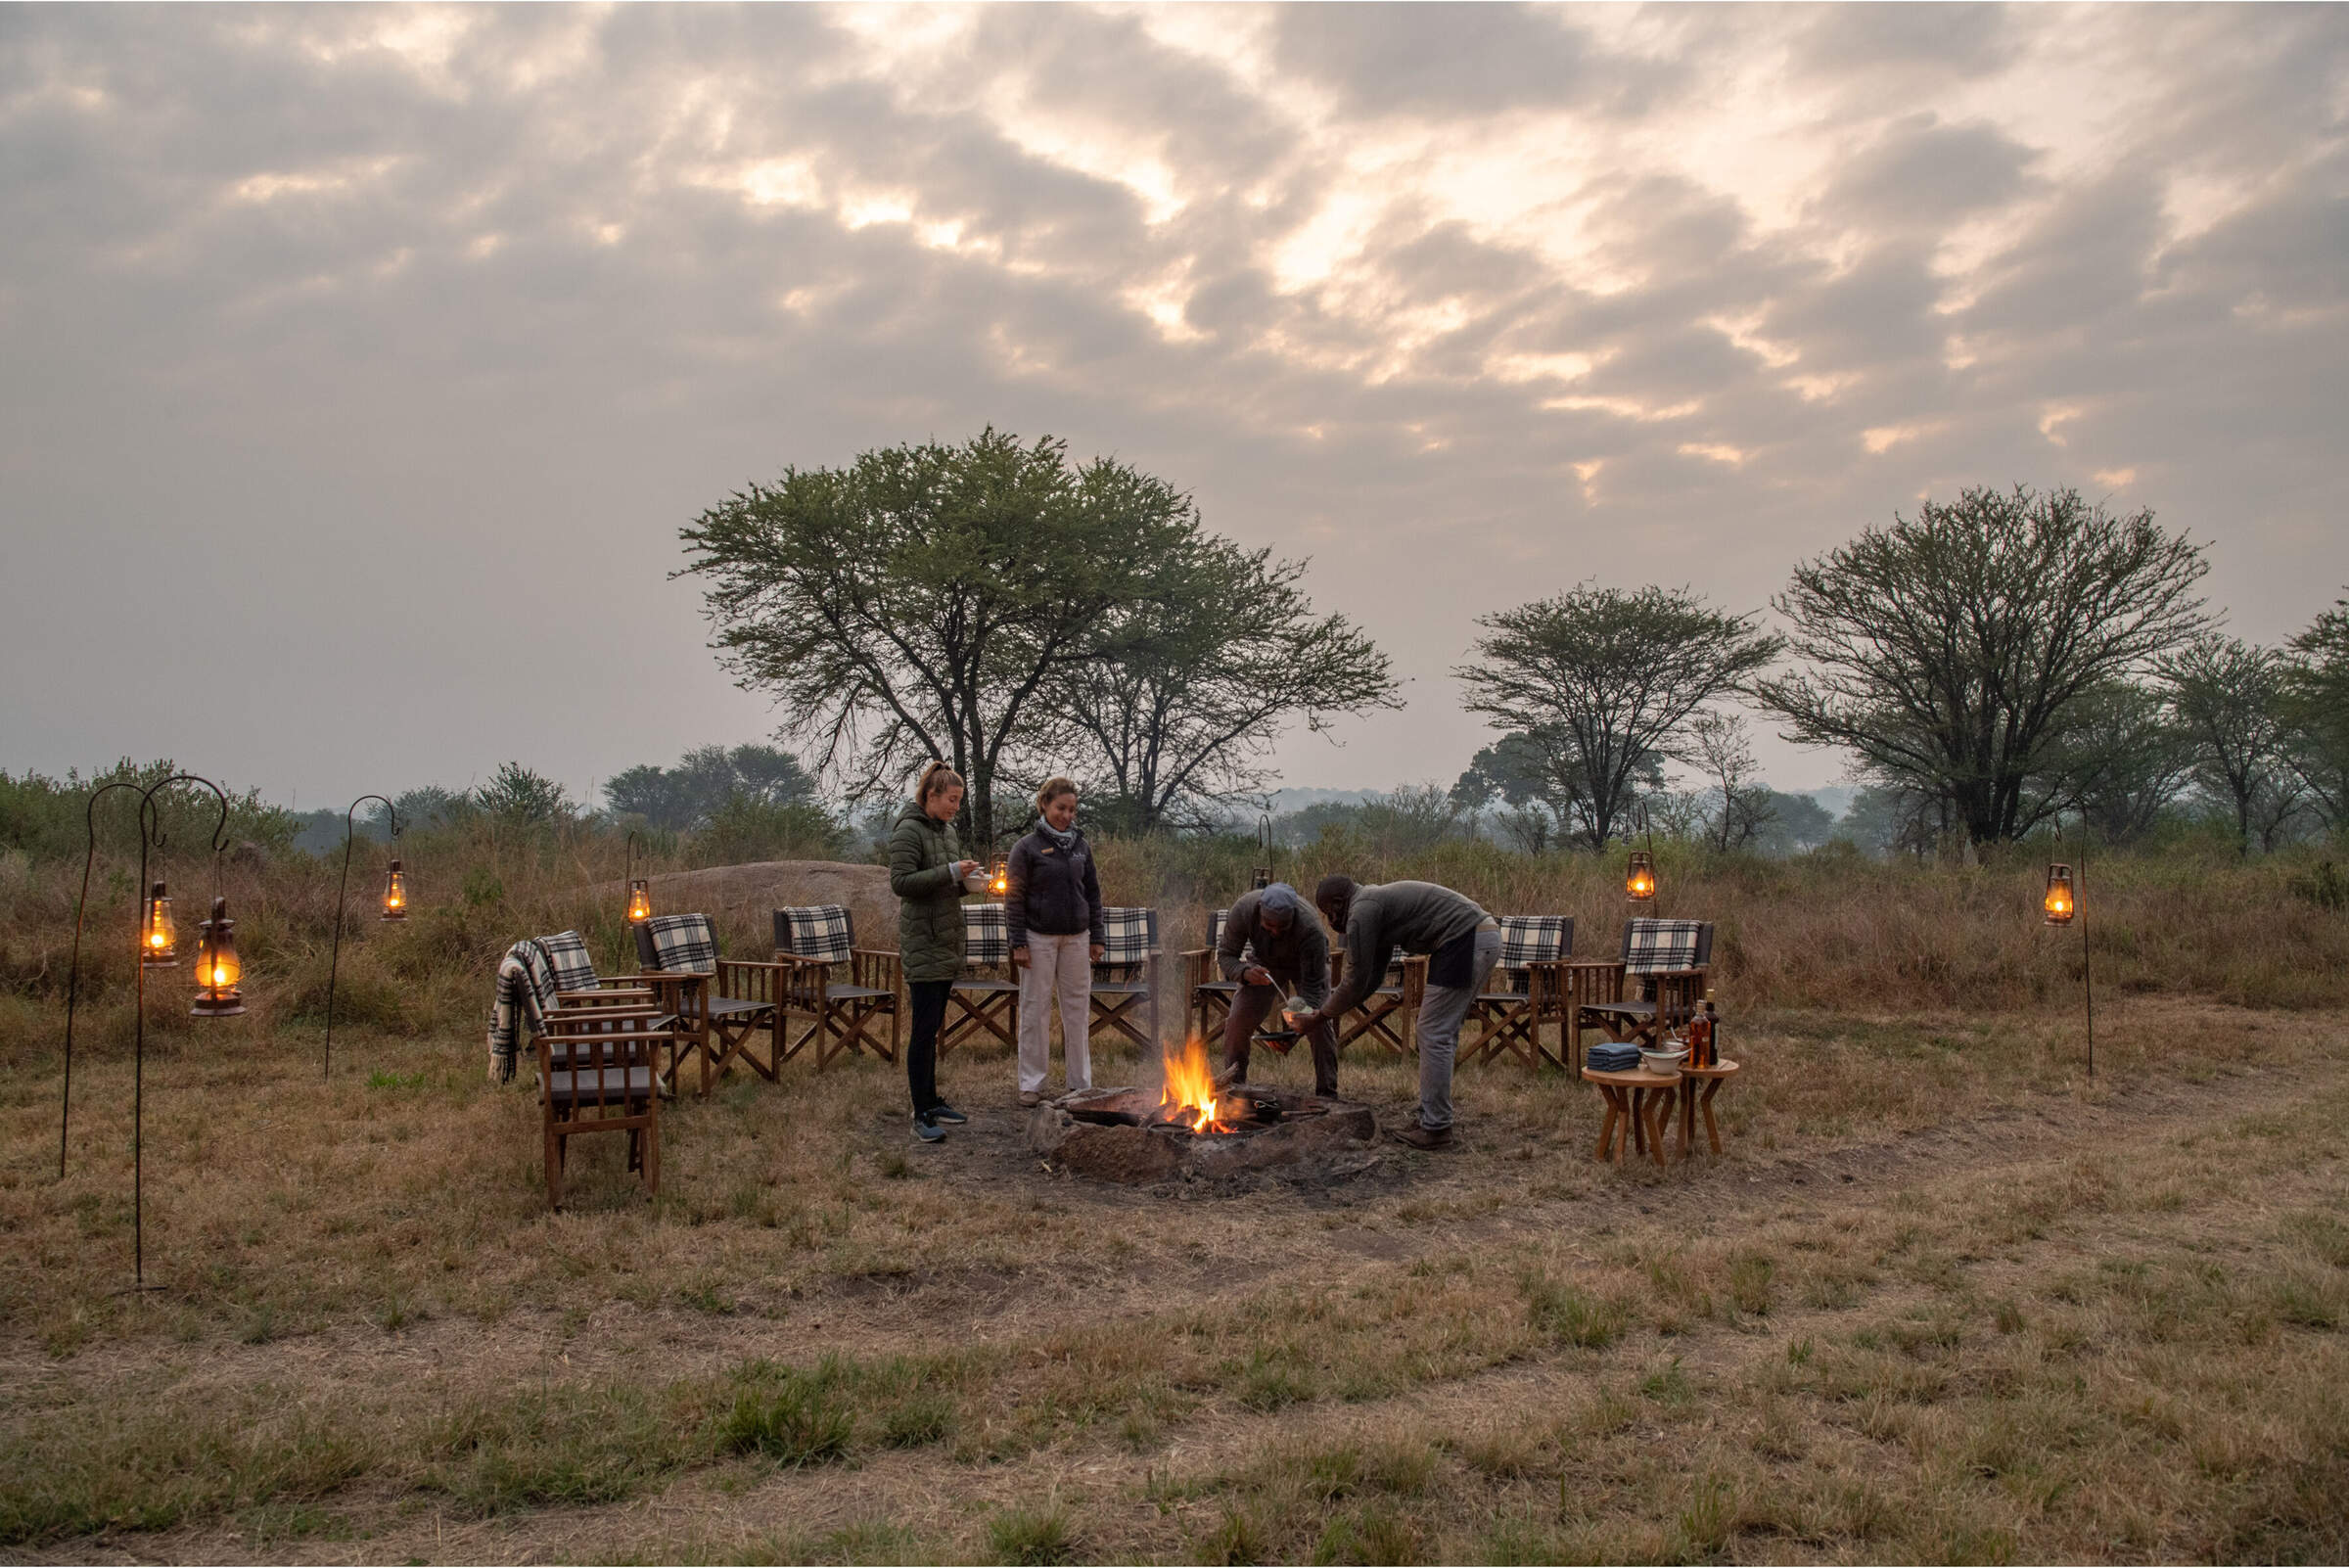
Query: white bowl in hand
point(976, 882)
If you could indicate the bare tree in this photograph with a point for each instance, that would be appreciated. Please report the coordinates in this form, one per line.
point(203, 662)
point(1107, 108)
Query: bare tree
point(2124, 757)
point(2316, 709)
point(1720, 748)
point(2229, 694)
point(1601, 681)
point(1951, 651)
point(1205, 673)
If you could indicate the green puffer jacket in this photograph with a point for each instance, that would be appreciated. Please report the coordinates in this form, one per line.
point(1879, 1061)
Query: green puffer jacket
point(922, 852)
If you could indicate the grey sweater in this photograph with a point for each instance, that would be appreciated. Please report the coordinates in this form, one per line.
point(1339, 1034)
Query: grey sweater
point(1417, 917)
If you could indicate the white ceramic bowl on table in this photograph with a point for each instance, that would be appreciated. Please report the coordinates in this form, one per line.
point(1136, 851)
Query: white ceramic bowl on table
point(1664, 1062)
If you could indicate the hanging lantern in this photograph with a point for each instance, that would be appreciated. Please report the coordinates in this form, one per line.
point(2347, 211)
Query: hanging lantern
point(218, 969)
point(998, 880)
point(1261, 876)
point(395, 894)
point(2060, 903)
point(640, 901)
point(158, 941)
point(1639, 881)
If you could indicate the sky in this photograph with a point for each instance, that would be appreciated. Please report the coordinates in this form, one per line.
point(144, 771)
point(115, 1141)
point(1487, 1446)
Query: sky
point(358, 366)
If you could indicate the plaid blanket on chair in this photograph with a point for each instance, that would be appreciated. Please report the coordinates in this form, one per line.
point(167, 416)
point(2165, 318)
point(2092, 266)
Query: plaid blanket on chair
point(1527, 939)
point(1129, 936)
point(678, 944)
point(986, 935)
point(822, 933)
point(567, 951)
point(525, 993)
point(1651, 945)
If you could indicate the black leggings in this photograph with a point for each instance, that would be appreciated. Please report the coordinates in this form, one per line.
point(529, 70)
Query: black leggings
point(929, 997)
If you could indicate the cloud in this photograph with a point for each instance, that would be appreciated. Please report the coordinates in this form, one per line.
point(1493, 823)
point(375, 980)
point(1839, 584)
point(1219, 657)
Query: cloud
point(388, 350)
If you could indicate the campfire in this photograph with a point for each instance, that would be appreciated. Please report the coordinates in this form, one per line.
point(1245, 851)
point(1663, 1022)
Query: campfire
point(1190, 1097)
point(1187, 1126)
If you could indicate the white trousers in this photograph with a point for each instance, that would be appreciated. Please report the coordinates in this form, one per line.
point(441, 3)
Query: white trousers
point(1058, 968)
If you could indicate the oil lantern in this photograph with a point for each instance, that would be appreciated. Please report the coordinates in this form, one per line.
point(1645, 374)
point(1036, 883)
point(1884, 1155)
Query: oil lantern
point(1639, 881)
point(157, 940)
point(218, 969)
point(395, 894)
point(2060, 903)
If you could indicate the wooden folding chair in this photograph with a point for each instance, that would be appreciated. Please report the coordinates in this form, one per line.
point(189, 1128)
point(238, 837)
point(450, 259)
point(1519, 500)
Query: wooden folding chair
point(1204, 984)
point(1525, 994)
point(599, 1074)
point(842, 990)
point(1125, 996)
point(985, 1000)
point(549, 977)
point(1669, 963)
point(725, 1002)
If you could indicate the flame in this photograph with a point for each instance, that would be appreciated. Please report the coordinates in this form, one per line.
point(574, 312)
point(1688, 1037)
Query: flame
point(1191, 1085)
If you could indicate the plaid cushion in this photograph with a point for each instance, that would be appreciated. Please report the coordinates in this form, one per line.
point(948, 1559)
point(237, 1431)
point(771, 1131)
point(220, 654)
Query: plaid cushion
point(1650, 945)
point(986, 935)
point(678, 942)
point(1128, 935)
point(566, 952)
point(822, 932)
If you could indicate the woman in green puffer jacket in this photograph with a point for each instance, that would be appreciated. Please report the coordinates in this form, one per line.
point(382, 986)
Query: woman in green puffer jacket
point(926, 868)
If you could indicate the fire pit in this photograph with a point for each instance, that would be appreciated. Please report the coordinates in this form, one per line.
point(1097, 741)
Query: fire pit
point(1190, 1127)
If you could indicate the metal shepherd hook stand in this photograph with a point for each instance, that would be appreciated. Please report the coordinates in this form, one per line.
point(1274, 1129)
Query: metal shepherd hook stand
point(151, 836)
point(395, 909)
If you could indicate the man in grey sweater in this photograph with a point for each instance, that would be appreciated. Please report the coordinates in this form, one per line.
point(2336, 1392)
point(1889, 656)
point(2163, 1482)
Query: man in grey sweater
point(1281, 942)
point(1462, 943)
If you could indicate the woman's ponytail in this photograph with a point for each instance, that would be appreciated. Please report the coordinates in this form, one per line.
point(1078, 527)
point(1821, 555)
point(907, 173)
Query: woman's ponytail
point(936, 778)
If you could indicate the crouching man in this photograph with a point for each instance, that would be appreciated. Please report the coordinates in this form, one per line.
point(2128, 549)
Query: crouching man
point(1461, 943)
point(1284, 942)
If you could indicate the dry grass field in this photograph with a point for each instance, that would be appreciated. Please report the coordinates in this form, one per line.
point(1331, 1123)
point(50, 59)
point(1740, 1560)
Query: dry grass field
point(1943, 1299)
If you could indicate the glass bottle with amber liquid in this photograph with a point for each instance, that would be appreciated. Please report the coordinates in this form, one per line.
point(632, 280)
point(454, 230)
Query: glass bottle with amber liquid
point(1704, 1047)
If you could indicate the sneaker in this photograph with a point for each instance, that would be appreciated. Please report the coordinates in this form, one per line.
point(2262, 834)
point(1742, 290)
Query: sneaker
point(1031, 1098)
point(942, 1112)
point(1424, 1137)
point(927, 1131)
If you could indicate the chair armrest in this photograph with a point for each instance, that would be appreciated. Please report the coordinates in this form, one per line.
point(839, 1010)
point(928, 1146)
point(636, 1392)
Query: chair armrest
point(748, 979)
point(600, 995)
point(875, 967)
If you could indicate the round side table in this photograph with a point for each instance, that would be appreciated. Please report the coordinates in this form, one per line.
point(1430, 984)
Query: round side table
point(1635, 1100)
point(1692, 1099)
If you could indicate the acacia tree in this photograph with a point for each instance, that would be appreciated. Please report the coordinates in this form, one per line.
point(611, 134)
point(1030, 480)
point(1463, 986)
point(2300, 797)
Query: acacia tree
point(2124, 757)
point(1602, 682)
point(2316, 699)
point(1202, 676)
point(1951, 650)
point(919, 602)
point(2228, 694)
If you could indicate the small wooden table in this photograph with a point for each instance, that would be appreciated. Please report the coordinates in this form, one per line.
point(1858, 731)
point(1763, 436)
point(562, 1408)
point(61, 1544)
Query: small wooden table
point(1691, 1100)
point(1634, 1099)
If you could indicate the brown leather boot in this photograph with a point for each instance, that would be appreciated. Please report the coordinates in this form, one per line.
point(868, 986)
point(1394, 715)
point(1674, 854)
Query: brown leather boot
point(1421, 1138)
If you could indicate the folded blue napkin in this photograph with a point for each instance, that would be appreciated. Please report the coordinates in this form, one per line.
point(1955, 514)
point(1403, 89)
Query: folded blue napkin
point(1612, 1058)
